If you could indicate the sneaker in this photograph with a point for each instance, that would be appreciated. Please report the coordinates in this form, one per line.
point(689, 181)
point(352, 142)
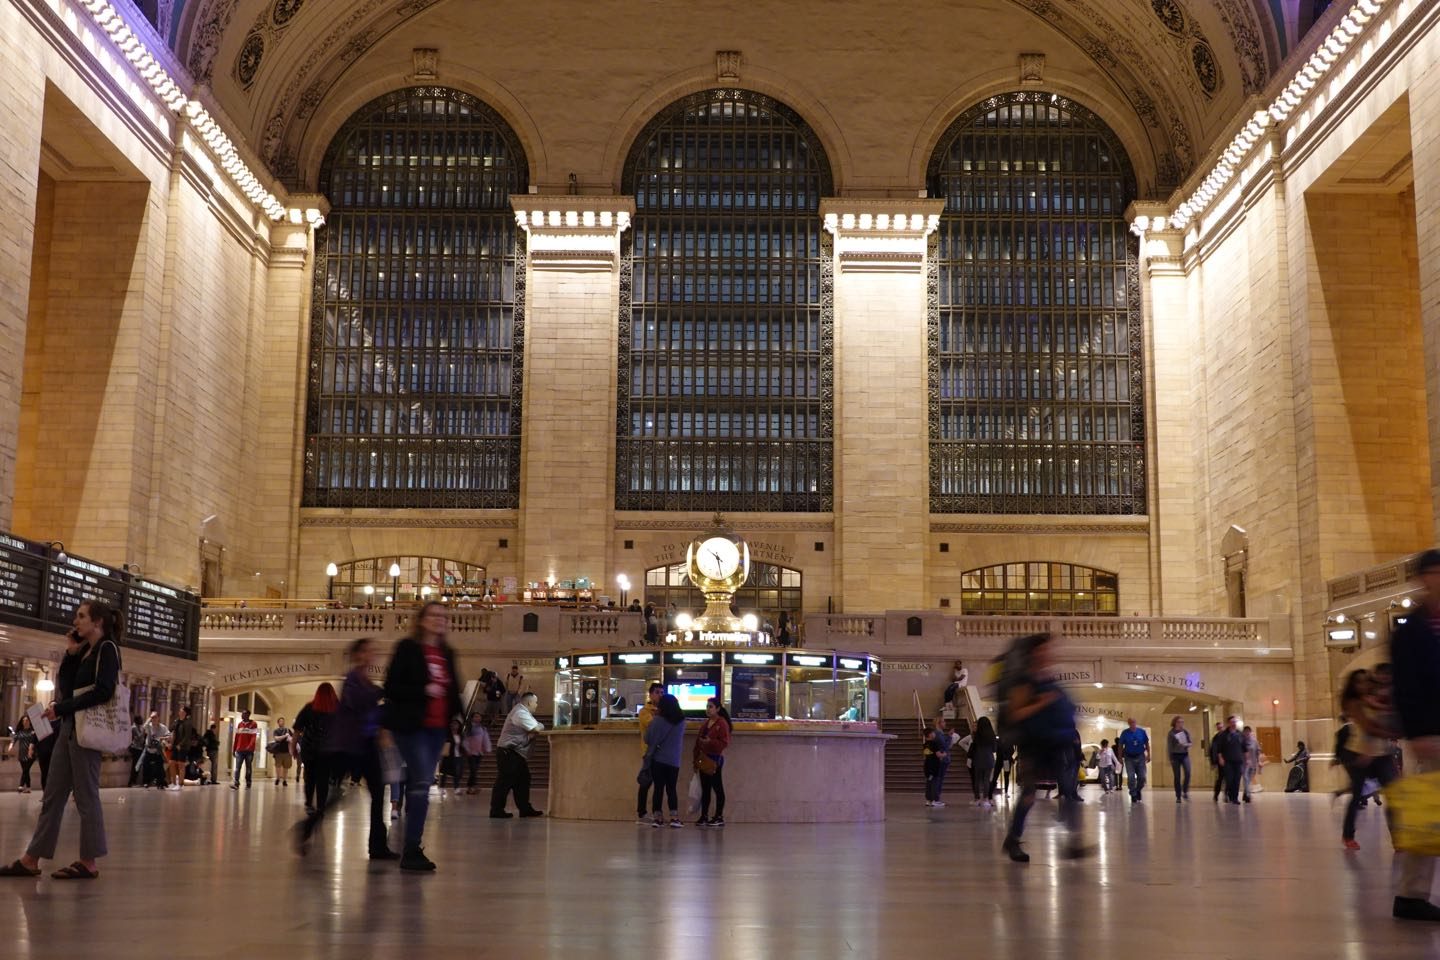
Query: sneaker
point(938, 803)
point(675, 823)
point(657, 823)
point(1351, 845)
point(642, 821)
point(929, 803)
point(717, 821)
point(703, 822)
point(233, 786)
point(394, 813)
point(1414, 908)
point(416, 860)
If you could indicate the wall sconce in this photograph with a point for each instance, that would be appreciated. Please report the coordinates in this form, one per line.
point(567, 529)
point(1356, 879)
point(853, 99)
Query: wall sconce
point(45, 684)
point(57, 550)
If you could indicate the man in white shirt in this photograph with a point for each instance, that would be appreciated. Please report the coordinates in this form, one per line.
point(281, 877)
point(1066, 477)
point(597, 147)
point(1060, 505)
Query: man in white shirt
point(512, 759)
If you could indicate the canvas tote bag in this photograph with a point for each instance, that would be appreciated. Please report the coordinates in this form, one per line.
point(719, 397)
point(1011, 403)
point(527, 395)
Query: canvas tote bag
point(105, 726)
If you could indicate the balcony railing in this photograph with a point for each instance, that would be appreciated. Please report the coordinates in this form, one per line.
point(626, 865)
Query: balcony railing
point(558, 628)
point(931, 631)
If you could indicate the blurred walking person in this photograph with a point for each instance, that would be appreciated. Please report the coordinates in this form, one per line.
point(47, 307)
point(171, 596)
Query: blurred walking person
point(1041, 718)
point(1415, 657)
point(313, 725)
point(422, 693)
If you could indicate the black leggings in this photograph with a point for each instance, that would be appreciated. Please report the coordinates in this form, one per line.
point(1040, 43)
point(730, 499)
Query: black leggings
point(317, 781)
point(25, 766)
point(982, 769)
point(666, 778)
point(713, 783)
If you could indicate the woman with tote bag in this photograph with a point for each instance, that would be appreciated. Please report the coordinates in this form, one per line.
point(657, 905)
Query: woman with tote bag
point(87, 678)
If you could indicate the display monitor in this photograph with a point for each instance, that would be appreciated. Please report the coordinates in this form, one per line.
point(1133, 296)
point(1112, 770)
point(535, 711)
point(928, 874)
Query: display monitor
point(692, 696)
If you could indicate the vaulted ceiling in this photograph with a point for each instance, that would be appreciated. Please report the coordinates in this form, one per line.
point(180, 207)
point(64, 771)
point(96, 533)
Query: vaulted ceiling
point(1179, 69)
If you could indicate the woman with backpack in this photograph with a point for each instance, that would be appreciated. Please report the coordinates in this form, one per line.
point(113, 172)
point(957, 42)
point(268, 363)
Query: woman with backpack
point(91, 664)
point(313, 727)
point(1041, 718)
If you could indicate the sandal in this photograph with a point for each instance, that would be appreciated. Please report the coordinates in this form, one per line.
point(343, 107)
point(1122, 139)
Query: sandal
point(18, 869)
point(76, 871)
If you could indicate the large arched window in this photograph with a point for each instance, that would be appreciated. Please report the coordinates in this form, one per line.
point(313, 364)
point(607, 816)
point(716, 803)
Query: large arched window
point(726, 324)
point(420, 578)
point(1061, 589)
point(416, 329)
point(1036, 397)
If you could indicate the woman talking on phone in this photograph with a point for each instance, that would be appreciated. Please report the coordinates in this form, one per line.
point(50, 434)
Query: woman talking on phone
point(91, 665)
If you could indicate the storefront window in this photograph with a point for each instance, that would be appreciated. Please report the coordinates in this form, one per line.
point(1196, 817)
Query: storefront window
point(1019, 589)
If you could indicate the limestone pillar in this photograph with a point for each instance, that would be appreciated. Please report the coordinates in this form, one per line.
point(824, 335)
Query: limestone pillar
point(1171, 342)
point(571, 306)
point(882, 433)
point(279, 464)
point(1425, 154)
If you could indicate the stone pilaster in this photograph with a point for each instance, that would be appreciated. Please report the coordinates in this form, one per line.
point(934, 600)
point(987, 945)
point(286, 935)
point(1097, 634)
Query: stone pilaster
point(881, 384)
point(567, 500)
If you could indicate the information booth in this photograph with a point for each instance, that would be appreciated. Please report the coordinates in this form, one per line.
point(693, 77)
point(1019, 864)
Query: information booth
point(809, 713)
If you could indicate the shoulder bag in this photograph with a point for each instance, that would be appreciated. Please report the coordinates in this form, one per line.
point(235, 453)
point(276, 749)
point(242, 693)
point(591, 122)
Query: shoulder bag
point(105, 726)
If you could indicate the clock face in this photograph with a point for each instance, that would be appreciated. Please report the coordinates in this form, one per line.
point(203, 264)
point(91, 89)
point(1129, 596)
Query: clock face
point(717, 558)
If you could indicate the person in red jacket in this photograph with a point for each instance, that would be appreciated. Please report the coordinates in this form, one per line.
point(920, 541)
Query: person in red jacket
point(247, 732)
point(710, 745)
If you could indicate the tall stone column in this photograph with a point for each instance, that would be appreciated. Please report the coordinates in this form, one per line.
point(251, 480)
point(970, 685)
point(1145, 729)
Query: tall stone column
point(567, 499)
point(281, 424)
point(1425, 153)
point(1172, 342)
point(882, 433)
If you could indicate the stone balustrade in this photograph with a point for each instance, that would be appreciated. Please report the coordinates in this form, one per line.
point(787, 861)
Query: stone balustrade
point(507, 626)
point(929, 631)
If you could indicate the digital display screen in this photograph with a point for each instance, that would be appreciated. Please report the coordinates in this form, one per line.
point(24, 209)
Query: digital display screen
point(692, 696)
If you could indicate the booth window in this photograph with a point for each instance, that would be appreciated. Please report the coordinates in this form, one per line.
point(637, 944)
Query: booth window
point(421, 578)
point(726, 325)
point(1036, 402)
point(768, 590)
point(416, 331)
point(1055, 589)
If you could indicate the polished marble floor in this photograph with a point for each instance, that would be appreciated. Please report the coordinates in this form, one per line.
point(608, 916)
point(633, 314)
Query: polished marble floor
point(208, 872)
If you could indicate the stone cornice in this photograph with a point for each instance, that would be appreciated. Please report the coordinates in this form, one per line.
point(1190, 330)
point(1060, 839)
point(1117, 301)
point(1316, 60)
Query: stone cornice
point(574, 234)
point(880, 236)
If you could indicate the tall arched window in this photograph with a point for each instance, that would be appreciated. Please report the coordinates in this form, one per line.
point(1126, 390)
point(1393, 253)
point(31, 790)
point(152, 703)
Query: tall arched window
point(1036, 400)
point(726, 324)
point(416, 330)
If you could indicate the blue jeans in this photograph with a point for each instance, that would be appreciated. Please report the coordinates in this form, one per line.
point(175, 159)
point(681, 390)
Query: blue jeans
point(421, 751)
point(1180, 763)
point(244, 759)
point(1135, 775)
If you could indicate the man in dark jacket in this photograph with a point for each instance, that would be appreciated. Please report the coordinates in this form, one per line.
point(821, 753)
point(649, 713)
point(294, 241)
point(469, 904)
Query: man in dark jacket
point(1229, 749)
point(1415, 656)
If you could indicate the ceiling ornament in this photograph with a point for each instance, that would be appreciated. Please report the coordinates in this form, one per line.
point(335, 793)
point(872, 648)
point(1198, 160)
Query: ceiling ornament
point(264, 34)
point(1032, 68)
point(727, 66)
point(426, 62)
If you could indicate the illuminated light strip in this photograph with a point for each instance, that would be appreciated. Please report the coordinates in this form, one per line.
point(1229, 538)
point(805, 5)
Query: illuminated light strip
point(1305, 81)
point(164, 86)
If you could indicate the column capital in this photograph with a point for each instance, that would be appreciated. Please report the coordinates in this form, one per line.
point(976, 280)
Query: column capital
point(879, 234)
point(573, 233)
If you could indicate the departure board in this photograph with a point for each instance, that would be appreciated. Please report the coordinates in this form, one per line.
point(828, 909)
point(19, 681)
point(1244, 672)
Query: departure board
point(160, 617)
point(39, 589)
point(22, 579)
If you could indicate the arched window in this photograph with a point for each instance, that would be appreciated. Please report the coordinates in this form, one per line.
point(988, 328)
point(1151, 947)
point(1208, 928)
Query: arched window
point(1036, 400)
point(416, 330)
point(420, 578)
point(1059, 589)
point(767, 591)
point(726, 324)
